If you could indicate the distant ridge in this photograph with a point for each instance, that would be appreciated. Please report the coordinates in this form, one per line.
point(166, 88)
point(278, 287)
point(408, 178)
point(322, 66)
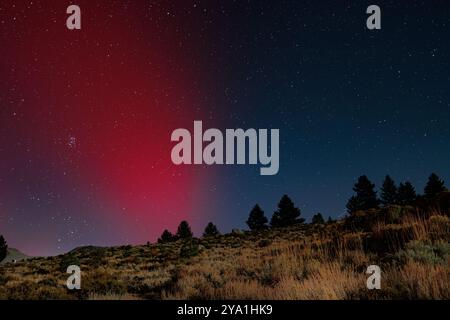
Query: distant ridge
point(86, 249)
point(14, 255)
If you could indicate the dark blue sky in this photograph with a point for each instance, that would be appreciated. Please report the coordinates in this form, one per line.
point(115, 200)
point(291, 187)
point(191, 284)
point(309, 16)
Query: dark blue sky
point(348, 101)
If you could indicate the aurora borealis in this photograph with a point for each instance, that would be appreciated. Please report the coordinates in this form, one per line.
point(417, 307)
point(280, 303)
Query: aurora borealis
point(86, 116)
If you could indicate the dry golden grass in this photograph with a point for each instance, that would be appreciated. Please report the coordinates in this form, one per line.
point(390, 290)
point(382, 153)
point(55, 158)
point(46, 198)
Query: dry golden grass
point(319, 270)
point(301, 262)
point(419, 281)
point(112, 296)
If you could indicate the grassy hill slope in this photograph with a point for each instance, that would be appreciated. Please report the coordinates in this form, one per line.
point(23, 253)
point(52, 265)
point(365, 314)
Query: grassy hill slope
point(326, 261)
point(14, 255)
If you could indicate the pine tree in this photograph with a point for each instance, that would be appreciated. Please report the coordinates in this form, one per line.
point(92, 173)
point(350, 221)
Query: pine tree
point(184, 231)
point(354, 204)
point(287, 214)
point(256, 219)
point(318, 219)
point(330, 220)
point(365, 198)
point(434, 186)
point(3, 248)
point(166, 236)
point(388, 191)
point(406, 193)
point(211, 230)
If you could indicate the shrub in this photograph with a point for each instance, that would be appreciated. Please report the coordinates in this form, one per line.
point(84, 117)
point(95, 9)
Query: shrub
point(49, 282)
point(426, 253)
point(389, 238)
point(68, 260)
point(395, 213)
point(43, 271)
point(362, 220)
point(211, 230)
point(97, 258)
point(100, 281)
point(29, 290)
point(189, 249)
point(318, 219)
point(4, 279)
point(264, 243)
point(439, 227)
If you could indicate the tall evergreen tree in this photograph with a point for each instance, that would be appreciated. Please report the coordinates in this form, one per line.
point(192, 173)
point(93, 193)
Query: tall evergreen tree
point(434, 186)
point(406, 193)
point(365, 198)
point(211, 230)
point(388, 191)
point(318, 219)
point(184, 231)
point(166, 236)
point(287, 214)
point(256, 219)
point(3, 248)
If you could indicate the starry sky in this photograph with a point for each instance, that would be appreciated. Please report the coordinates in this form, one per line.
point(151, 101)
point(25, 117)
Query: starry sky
point(86, 116)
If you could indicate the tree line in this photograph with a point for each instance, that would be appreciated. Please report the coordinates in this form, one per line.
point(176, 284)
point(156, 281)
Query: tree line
point(287, 214)
point(366, 197)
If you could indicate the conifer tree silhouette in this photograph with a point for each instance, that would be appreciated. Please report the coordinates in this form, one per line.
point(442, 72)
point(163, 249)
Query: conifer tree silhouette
point(184, 231)
point(166, 236)
point(211, 230)
point(388, 191)
point(287, 214)
point(406, 193)
point(256, 219)
point(318, 219)
point(365, 197)
point(434, 186)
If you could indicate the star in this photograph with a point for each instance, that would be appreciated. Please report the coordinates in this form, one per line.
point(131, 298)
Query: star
point(72, 142)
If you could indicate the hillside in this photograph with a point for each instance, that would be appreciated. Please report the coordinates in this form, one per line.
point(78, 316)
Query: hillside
point(14, 255)
point(324, 261)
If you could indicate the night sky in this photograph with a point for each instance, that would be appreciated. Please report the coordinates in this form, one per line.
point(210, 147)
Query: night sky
point(86, 116)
